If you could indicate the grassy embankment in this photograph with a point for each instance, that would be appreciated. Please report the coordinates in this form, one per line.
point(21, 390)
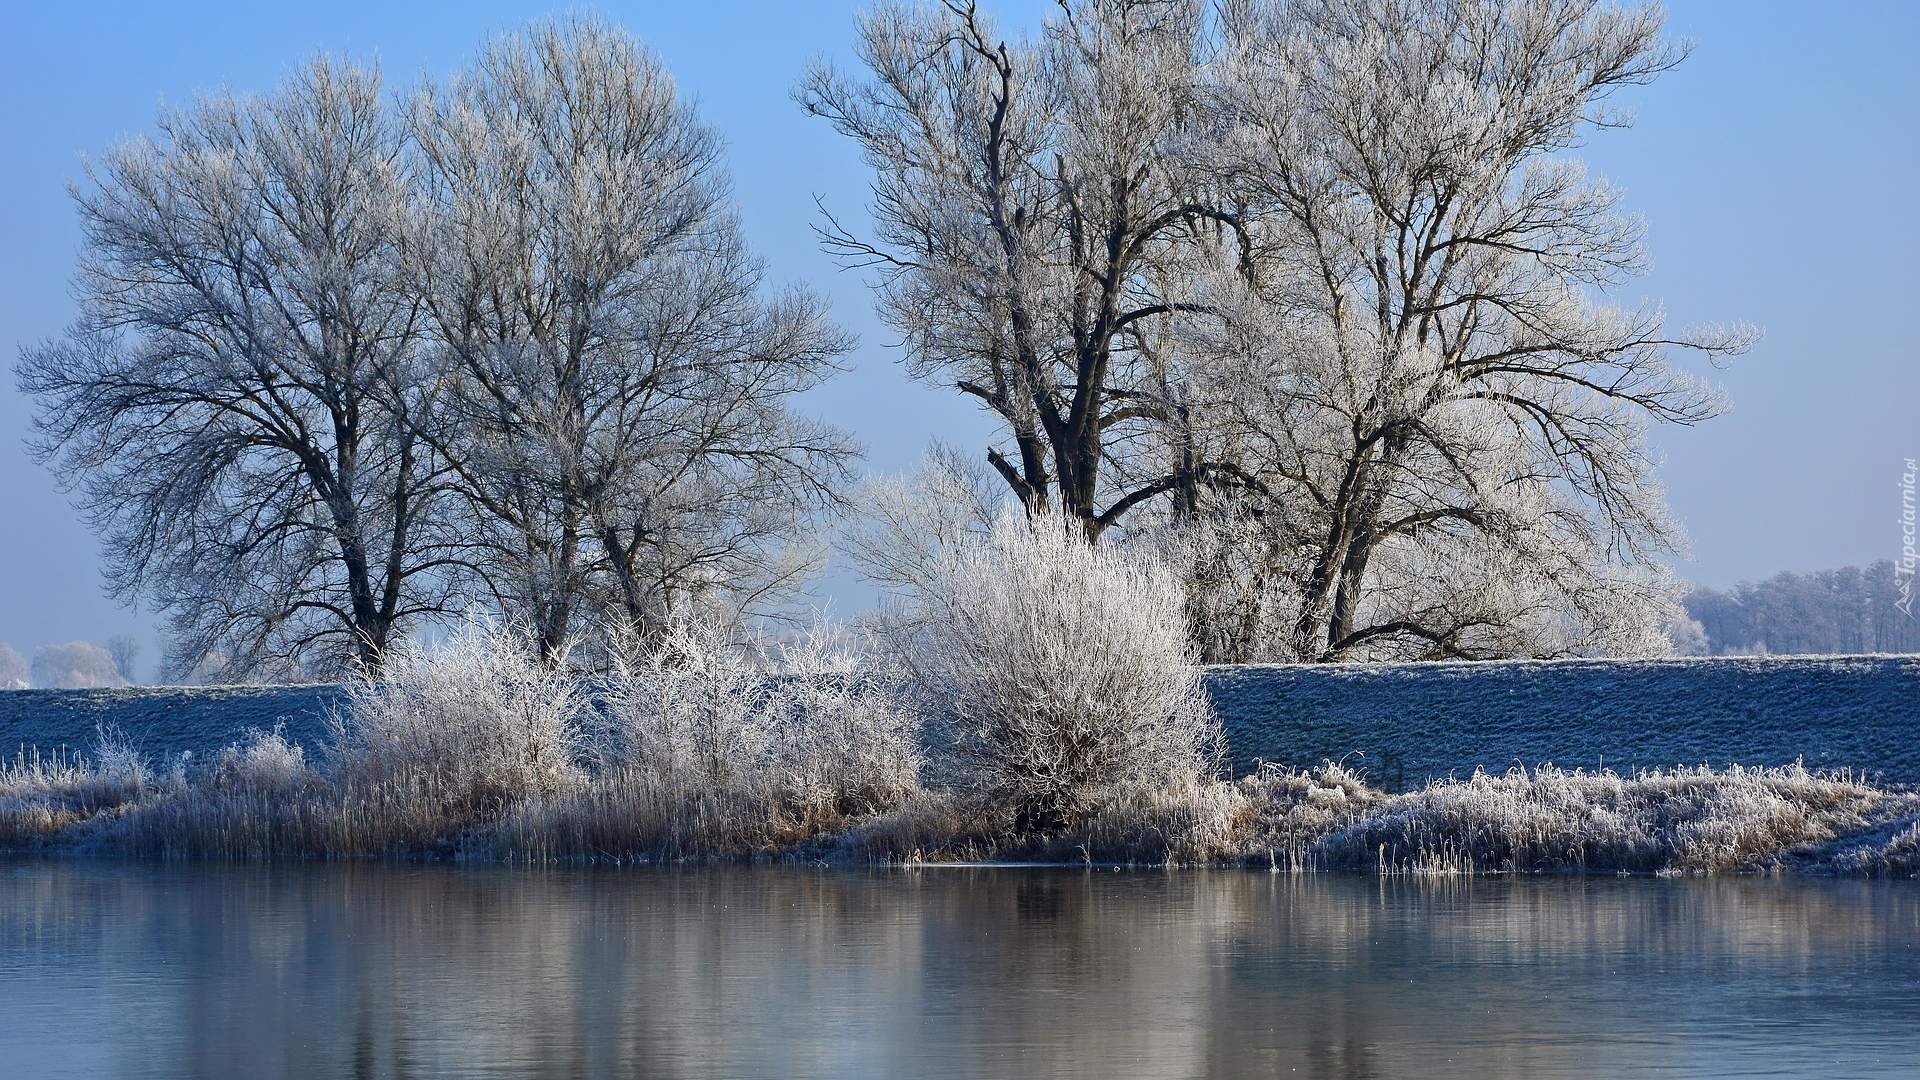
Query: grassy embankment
point(1035, 701)
point(263, 799)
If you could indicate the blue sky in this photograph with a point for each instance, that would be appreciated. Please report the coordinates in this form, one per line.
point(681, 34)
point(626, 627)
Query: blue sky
point(1776, 169)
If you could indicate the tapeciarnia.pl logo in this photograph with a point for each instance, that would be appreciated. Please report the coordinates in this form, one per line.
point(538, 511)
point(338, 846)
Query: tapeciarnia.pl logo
point(1903, 570)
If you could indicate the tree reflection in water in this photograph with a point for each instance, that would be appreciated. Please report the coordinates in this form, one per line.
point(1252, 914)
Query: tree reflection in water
point(427, 971)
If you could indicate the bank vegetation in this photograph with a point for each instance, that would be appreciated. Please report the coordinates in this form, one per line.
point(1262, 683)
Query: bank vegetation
point(984, 720)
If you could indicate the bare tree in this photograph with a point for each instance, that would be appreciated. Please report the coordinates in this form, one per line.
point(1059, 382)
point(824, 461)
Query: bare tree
point(1440, 429)
point(237, 400)
point(76, 665)
point(13, 669)
point(621, 421)
point(1025, 202)
point(125, 650)
point(1306, 290)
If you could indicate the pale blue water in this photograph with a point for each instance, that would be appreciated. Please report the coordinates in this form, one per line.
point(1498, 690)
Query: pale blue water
point(114, 969)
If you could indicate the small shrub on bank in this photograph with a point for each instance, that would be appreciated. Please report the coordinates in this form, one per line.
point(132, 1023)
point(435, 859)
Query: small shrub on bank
point(262, 761)
point(799, 728)
point(708, 745)
point(465, 729)
point(1058, 672)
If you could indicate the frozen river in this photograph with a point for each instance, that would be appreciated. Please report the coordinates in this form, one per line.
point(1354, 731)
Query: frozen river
point(126, 969)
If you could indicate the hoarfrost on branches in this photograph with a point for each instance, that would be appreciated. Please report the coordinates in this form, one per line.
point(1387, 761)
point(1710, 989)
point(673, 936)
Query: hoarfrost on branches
point(1305, 295)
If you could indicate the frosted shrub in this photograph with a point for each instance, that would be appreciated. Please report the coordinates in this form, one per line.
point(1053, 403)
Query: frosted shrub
point(256, 798)
point(1057, 671)
point(468, 726)
point(117, 761)
point(263, 761)
point(682, 715)
point(730, 745)
point(847, 739)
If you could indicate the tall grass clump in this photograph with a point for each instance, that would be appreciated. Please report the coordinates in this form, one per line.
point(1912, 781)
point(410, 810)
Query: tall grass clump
point(1055, 674)
point(1294, 810)
point(259, 797)
point(1678, 820)
point(709, 744)
point(43, 795)
point(449, 737)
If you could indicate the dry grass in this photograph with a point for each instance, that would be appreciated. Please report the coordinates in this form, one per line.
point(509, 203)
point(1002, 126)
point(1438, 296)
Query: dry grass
point(258, 800)
point(1667, 821)
point(1546, 820)
point(1293, 811)
point(61, 796)
point(1890, 849)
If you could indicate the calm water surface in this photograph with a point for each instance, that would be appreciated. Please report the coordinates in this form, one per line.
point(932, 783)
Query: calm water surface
point(110, 969)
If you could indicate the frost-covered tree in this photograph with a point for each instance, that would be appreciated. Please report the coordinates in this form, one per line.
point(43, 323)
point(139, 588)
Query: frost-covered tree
point(1306, 291)
point(621, 415)
point(1848, 610)
point(1440, 421)
point(125, 650)
point(347, 365)
point(236, 403)
point(1027, 196)
point(77, 665)
point(13, 669)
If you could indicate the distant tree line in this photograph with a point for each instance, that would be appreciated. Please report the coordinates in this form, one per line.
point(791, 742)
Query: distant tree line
point(74, 666)
point(1849, 610)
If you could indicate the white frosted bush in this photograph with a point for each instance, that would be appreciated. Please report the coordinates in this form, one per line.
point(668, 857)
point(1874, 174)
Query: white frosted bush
point(800, 732)
point(1059, 672)
point(263, 761)
point(682, 712)
point(471, 724)
point(847, 740)
point(117, 760)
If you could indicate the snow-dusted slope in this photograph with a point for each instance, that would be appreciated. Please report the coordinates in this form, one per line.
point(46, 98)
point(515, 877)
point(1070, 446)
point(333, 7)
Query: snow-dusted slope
point(1401, 723)
point(1416, 721)
point(162, 720)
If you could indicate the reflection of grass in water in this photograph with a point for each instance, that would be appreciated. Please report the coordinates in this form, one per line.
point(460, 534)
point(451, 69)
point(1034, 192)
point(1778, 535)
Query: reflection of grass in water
point(788, 971)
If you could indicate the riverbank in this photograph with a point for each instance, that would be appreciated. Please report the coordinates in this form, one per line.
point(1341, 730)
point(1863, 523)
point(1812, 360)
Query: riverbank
point(261, 801)
point(976, 747)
